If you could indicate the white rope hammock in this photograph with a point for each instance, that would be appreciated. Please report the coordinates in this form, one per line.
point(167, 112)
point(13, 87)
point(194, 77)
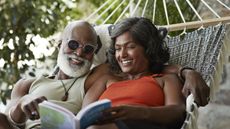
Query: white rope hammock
point(203, 49)
point(134, 10)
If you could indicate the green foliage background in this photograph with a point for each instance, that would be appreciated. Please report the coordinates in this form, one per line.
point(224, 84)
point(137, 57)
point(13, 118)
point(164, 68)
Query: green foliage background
point(20, 18)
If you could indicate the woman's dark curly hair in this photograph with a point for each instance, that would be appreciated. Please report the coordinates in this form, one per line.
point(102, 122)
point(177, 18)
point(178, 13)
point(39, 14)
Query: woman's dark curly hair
point(144, 32)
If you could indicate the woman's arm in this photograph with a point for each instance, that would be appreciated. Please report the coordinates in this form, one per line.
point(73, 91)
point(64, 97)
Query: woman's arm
point(174, 110)
point(95, 91)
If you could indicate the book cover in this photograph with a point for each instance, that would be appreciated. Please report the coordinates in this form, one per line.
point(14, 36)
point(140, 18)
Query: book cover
point(54, 116)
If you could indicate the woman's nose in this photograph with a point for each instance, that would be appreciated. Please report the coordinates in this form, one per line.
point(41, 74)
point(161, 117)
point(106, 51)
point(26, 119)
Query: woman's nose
point(123, 52)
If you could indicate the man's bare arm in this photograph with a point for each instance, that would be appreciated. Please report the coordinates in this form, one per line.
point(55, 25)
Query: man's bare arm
point(13, 108)
point(193, 83)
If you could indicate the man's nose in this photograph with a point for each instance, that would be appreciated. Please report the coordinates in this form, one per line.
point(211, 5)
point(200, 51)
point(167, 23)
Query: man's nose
point(79, 51)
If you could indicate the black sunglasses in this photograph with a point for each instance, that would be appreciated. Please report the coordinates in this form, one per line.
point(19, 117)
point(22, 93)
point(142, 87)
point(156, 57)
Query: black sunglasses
point(87, 48)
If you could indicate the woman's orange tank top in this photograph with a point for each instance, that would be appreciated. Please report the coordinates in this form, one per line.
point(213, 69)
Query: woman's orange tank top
point(143, 91)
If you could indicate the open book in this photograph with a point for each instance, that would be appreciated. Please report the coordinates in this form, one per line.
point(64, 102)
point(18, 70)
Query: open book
point(54, 116)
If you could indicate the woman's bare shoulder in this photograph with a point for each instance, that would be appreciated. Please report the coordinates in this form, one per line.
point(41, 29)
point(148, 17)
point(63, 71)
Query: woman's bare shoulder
point(170, 76)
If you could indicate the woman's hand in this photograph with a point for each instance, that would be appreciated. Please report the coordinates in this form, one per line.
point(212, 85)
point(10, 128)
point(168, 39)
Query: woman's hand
point(29, 106)
point(195, 84)
point(123, 112)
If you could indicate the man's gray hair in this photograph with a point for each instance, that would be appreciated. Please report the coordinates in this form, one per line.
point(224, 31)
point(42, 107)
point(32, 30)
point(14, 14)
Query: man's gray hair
point(67, 32)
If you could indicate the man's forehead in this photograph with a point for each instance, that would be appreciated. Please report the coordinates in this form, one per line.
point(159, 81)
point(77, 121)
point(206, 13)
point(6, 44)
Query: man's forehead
point(77, 26)
point(84, 34)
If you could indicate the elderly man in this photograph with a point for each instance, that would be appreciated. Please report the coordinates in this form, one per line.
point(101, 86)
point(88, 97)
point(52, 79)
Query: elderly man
point(69, 85)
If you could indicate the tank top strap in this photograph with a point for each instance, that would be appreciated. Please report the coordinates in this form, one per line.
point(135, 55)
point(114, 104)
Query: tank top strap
point(157, 75)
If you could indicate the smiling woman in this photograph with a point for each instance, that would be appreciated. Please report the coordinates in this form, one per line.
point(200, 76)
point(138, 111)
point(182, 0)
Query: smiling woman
point(138, 85)
point(127, 51)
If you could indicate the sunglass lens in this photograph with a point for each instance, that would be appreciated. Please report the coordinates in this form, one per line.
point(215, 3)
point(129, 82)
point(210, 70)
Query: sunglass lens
point(73, 45)
point(88, 49)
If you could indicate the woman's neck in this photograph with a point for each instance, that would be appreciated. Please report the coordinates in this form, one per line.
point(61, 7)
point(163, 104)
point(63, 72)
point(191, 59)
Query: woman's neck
point(137, 75)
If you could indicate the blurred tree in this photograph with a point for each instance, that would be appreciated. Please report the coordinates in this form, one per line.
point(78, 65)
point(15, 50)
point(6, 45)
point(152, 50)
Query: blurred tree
point(21, 20)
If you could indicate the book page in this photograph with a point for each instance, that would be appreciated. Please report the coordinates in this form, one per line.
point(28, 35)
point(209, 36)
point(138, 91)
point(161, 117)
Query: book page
point(55, 117)
point(92, 112)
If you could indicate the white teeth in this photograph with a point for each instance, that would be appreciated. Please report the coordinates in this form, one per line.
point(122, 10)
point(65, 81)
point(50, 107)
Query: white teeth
point(126, 61)
point(75, 60)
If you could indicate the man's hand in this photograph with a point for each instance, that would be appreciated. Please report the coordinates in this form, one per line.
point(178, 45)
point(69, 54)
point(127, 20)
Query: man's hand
point(29, 105)
point(195, 84)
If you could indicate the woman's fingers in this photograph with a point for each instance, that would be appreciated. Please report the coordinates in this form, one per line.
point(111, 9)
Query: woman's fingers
point(111, 115)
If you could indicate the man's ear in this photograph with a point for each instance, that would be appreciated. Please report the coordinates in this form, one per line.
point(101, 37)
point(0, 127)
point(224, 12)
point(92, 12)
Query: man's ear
point(59, 44)
point(99, 44)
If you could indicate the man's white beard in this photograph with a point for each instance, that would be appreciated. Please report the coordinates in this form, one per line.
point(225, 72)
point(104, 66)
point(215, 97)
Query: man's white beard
point(72, 70)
